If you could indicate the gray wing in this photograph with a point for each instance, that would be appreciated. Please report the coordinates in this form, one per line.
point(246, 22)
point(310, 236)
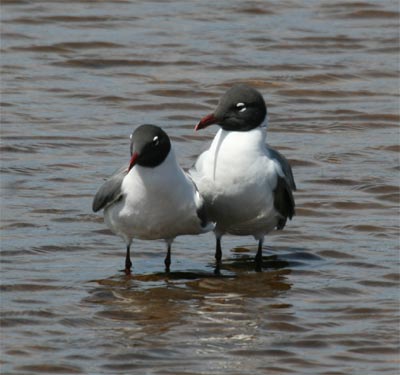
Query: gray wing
point(283, 201)
point(110, 191)
point(283, 192)
point(201, 211)
point(286, 168)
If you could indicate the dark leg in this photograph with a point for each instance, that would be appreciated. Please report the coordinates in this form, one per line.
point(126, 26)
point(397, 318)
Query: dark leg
point(258, 258)
point(128, 263)
point(167, 260)
point(218, 257)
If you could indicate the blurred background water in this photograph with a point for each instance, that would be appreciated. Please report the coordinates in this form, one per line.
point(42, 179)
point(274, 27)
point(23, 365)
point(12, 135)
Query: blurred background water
point(79, 76)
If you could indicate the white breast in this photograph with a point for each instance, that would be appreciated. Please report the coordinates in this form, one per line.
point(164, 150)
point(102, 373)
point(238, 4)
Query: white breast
point(237, 178)
point(158, 203)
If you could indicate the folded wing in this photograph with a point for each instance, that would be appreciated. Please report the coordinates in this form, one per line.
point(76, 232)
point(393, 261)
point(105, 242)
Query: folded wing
point(286, 168)
point(110, 191)
point(283, 192)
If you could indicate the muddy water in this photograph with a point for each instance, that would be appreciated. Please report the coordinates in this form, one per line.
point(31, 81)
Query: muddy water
point(78, 76)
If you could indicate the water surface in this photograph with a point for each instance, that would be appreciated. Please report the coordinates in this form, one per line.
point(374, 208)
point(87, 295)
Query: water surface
point(78, 76)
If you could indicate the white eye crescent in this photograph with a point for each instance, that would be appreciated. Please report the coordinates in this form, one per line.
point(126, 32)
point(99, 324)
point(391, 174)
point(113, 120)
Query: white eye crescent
point(241, 107)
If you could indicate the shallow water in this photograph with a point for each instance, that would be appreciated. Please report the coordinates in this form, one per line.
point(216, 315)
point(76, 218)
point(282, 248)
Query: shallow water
point(78, 76)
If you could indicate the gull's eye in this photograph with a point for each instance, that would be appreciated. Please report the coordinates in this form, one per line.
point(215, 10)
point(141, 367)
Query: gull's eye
point(241, 107)
point(156, 141)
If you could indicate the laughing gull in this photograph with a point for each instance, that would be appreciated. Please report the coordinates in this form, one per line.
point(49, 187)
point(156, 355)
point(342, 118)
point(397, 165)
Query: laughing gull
point(153, 198)
point(247, 185)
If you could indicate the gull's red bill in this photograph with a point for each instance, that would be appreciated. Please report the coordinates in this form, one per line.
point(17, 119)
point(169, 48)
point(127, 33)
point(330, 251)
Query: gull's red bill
point(133, 160)
point(206, 121)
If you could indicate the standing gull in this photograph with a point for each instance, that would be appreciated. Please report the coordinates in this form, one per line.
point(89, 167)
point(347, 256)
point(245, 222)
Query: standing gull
point(153, 198)
point(248, 186)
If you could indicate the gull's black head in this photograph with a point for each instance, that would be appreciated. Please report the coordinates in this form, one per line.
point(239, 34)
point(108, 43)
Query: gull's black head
point(150, 145)
point(241, 108)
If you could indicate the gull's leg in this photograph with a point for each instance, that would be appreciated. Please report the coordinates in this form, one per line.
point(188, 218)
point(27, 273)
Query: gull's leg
point(258, 258)
point(167, 260)
point(218, 255)
point(128, 263)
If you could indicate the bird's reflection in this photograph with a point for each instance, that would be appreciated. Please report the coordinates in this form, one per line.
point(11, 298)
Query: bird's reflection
point(160, 301)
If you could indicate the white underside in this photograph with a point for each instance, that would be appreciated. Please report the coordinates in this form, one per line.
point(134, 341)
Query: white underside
point(236, 177)
point(158, 203)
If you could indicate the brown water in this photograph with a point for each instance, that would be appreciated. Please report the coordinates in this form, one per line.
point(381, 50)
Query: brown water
point(78, 76)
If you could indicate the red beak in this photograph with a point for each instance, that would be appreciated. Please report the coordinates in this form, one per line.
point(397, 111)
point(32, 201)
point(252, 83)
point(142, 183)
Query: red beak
point(206, 121)
point(132, 162)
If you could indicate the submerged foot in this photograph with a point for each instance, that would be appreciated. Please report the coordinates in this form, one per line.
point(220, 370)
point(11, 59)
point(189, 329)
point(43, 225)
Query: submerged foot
point(258, 263)
point(126, 271)
point(217, 269)
point(258, 267)
point(167, 263)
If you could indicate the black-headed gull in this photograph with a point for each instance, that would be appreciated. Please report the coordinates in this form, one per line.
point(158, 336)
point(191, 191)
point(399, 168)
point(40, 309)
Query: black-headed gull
point(247, 185)
point(153, 198)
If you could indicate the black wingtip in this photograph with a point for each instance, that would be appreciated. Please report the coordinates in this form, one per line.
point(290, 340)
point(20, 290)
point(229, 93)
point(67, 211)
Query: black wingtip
point(283, 202)
point(202, 215)
point(96, 204)
point(95, 207)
